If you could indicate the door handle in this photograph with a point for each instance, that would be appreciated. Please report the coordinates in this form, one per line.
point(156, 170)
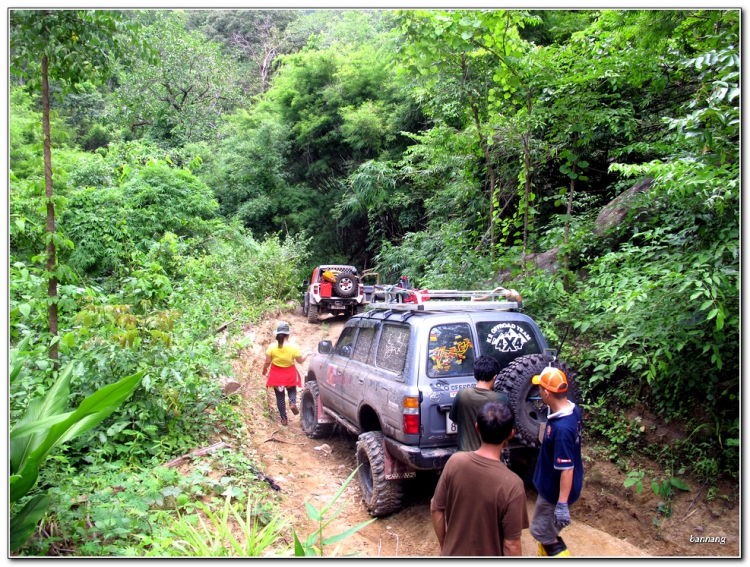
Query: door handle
point(361, 380)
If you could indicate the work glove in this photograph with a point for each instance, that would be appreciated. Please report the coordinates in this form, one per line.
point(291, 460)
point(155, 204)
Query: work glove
point(562, 514)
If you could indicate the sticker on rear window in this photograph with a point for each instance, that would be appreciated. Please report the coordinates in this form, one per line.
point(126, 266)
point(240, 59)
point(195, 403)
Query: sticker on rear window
point(508, 337)
point(445, 357)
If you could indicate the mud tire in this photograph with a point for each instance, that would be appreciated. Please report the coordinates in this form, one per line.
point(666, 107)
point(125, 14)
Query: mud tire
point(358, 309)
point(381, 496)
point(313, 312)
point(309, 411)
point(346, 284)
point(305, 305)
point(515, 382)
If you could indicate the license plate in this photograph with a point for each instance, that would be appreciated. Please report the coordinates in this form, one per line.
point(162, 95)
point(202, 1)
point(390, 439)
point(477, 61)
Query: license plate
point(337, 306)
point(451, 427)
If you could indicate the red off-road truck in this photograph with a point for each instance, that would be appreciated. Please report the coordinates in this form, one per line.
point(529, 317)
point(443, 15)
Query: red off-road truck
point(333, 288)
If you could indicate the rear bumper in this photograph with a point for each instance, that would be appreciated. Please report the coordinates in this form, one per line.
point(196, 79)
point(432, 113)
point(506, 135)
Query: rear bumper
point(427, 459)
point(434, 458)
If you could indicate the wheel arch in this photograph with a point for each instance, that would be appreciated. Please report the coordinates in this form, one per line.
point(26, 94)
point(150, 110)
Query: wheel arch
point(368, 419)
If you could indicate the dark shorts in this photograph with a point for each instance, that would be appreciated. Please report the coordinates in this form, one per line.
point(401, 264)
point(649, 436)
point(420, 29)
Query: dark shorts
point(543, 527)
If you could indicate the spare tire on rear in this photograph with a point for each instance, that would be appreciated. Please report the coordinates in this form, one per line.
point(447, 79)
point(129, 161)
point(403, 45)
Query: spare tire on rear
point(531, 412)
point(346, 284)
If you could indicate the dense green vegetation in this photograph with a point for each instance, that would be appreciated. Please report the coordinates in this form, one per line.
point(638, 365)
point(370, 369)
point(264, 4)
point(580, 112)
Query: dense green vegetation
point(203, 161)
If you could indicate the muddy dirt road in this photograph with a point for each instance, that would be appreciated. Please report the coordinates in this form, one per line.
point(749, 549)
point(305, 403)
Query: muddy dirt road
point(314, 470)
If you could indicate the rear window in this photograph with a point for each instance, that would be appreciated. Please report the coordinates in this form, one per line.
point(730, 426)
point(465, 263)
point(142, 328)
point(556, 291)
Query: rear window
point(394, 342)
point(505, 341)
point(450, 351)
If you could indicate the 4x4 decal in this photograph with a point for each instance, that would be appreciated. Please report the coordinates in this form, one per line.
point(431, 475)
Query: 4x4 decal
point(508, 337)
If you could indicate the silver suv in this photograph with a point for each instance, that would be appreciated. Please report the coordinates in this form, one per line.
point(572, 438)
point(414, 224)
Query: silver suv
point(393, 374)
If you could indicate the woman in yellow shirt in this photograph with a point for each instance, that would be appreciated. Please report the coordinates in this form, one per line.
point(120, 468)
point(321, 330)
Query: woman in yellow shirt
point(280, 358)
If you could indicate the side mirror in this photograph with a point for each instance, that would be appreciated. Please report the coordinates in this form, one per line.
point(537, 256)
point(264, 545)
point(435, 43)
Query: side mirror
point(325, 347)
point(305, 282)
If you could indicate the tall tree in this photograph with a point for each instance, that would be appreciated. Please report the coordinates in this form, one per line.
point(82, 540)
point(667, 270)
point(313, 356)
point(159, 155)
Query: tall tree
point(182, 95)
point(69, 47)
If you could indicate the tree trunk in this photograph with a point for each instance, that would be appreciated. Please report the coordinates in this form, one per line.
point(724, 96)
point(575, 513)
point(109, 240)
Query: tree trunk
point(527, 182)
point(566, 259)
point(51, 251)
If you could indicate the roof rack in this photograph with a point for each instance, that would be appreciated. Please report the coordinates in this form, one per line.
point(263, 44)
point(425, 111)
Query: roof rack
point(400, 299)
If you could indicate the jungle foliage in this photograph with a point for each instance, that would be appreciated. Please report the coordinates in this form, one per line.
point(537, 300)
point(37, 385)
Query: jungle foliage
point(203, 161)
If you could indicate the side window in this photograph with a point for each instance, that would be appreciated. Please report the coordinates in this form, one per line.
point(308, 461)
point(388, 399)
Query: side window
point(344, 344)
point(506, 340)
point(451, 351)
point(364, 343)
point(392, 348)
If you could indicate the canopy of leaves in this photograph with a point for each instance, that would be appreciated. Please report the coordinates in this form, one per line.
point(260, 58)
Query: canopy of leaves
point(183, 95)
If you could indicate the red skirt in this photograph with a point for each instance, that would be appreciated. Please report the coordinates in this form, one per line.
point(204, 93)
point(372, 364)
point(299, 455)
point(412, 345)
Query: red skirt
point(279, 376)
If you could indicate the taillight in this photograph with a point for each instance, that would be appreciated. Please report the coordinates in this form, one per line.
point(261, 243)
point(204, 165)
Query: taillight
point(411, 415)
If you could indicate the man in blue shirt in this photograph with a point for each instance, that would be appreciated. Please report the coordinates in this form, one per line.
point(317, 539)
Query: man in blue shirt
point(559, 470)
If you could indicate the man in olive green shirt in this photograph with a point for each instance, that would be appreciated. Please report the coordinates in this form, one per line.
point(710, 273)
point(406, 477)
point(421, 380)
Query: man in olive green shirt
point(469, 401)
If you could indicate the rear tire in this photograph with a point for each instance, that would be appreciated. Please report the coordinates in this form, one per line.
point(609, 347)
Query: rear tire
point(358, 309)
point(515, 382)
point(346, 284)
point(381, 496)
point(305, 305)
point(312, 313)
point(309, 419)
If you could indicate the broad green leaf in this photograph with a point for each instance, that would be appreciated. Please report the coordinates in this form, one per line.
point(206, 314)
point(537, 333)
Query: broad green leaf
point(39, 425)
point(23, 524)
point(347, 533)
point(299, 551)
point(52, 404)
point(92, 411)
point(25, 309)
point(28, 475)
point(629, 482)
point(677, 483)
point(313, 512)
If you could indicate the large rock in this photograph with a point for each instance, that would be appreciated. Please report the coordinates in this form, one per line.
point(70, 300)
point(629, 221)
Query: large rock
point(616, 212)
point(546, 261)
point(612, 215)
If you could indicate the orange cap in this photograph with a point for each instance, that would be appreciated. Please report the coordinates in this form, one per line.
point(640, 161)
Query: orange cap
point(552, 379)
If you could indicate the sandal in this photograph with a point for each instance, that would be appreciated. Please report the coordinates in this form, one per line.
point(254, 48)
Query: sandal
point(294, 409)
point(284, 422)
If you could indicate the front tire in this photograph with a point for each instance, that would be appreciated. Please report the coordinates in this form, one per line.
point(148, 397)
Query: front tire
point(309, 419)
point(381, 496)
point(515, 382)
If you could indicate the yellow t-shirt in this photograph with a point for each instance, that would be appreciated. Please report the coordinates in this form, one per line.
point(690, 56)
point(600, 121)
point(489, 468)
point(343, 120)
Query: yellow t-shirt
point(285, 356)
